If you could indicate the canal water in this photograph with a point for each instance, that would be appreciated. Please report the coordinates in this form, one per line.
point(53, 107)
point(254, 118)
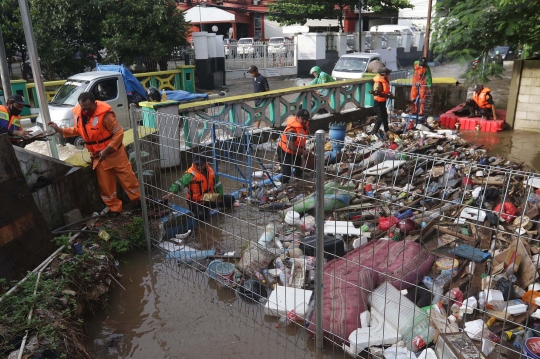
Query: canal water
point(169, 311)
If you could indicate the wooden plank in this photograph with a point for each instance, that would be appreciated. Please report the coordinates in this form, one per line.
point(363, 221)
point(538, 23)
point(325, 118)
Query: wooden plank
point(456, 234)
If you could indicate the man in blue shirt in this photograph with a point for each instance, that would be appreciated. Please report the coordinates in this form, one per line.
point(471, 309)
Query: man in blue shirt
point(260, 84)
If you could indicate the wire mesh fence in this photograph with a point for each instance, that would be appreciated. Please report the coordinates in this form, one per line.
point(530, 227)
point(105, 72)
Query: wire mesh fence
point(428, 245)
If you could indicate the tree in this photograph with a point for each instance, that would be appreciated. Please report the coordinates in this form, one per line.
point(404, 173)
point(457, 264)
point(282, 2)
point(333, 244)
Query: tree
point(67, 32)
point(142, 28)
point(290, 12)
point(468, 29)
point(12, 31)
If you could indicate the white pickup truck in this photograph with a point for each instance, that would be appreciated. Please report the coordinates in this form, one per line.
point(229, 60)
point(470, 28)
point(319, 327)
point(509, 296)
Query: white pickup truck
point(107, 86)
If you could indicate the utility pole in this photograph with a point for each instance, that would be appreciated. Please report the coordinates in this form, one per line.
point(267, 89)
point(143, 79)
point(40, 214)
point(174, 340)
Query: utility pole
point(36, 71)
point(428, 26)
point(360, 25)
point(4, 69)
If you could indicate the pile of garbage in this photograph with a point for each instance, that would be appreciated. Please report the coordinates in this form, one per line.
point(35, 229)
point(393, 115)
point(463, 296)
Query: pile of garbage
point(472, 217)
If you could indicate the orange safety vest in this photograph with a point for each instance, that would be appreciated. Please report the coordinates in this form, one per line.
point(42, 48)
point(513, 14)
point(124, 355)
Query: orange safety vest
point(481, 99)
point(385, 88)
point(13, 122)
point(96, 137)
point(419, 77)
point(201, 184)
point(293, 125)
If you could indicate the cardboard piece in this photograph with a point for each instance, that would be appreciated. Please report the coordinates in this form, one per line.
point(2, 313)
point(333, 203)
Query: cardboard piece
point(526, 272)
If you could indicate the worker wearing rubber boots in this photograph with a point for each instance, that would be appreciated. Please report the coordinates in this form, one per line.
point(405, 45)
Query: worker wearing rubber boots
point(291, 145)
point(96, 123)
point(381, 92)
point(421, 85)
point(481, 103)
point(204, 189)
point(10, 117)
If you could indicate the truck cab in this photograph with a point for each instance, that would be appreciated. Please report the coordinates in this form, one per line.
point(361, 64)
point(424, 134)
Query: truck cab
point(107, 86)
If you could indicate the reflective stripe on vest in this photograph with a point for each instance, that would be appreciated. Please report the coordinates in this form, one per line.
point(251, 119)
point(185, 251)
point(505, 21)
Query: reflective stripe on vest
point(293, 126)
point(481, 99)
point(419, 77)
point(384, 90)
point(94, 134)
point(201, 184)
point(13, 123)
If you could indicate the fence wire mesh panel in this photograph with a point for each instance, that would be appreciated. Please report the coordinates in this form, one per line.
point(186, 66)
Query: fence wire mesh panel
point(429, 246)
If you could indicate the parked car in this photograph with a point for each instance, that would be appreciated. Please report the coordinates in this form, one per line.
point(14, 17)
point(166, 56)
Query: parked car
point(246, 46)
point(508, 53)
point(230, 46)
point(278, 45)
point(353, 66)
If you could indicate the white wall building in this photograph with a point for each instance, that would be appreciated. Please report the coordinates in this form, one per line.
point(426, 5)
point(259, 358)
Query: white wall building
point(416, 16)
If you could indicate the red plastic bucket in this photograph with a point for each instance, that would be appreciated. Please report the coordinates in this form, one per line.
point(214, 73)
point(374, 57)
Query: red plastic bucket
point(532, 348)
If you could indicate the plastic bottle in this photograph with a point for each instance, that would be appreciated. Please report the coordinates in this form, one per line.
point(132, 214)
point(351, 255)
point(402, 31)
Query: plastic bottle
point(311, 276)
point(481, 300)
point(283, 321)
point(420, 338)
point(163, 95)
point(270, 280)
point(498, 305)
point(267, 237)
point(428, 282)
point(438, 285)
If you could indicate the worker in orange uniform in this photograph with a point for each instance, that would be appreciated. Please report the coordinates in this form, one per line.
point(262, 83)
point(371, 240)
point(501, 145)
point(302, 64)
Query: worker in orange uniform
point(381, 93)
point(10, 117)
point(291, 147)
point(421, 85)
point(96, 123)
point(482, 103)
point(205, 190)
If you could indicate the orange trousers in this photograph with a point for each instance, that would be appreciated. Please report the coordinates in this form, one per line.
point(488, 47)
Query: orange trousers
point(422, 100)
point(116, 165)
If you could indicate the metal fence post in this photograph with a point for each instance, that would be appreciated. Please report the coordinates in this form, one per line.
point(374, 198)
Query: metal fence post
point(319, 220)
point(140, 177)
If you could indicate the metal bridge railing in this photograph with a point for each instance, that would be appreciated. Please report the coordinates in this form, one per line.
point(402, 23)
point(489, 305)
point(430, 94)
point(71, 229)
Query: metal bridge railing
point(278, 105)
point(410, 237)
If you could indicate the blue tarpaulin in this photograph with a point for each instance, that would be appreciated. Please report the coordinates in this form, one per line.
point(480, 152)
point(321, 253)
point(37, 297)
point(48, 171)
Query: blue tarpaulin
point(179, 95)
point(130, 81)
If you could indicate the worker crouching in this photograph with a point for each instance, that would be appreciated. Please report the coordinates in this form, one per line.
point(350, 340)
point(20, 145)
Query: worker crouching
point(205, 190)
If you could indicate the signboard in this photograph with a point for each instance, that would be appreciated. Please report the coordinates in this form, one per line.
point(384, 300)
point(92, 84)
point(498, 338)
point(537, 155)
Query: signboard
point(306, 55)
point(272, 72)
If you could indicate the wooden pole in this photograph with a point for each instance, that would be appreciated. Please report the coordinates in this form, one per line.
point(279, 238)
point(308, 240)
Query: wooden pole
point(428, 26)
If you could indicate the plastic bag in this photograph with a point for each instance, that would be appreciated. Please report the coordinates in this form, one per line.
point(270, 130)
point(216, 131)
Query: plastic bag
point(508, 211)
point(385, 223)
point(505, 287)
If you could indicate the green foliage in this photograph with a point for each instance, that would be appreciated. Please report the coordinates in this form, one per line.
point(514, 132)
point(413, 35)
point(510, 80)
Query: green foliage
point(290, 12)
point(61, 241)
point(143, 28)
point(128, 237)
point(69, 31)
point(468, 29)
point(482, 72)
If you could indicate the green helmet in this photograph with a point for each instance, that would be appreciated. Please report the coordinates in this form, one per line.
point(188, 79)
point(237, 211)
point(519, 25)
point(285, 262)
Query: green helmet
point(316, 69)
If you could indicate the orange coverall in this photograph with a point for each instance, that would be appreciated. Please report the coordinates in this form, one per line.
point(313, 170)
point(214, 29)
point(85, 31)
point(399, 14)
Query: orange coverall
point(116, 164)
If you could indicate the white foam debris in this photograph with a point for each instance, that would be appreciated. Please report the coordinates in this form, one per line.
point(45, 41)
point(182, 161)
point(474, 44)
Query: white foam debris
point(42, 147)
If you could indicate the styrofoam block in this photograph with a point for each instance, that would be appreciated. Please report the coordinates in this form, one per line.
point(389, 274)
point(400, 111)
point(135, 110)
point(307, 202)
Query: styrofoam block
point(378, 333)
point(342, 227)
point(383, 167)
point(284, 299)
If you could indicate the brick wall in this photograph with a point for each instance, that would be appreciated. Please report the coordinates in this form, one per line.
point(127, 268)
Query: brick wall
point(524, 98)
